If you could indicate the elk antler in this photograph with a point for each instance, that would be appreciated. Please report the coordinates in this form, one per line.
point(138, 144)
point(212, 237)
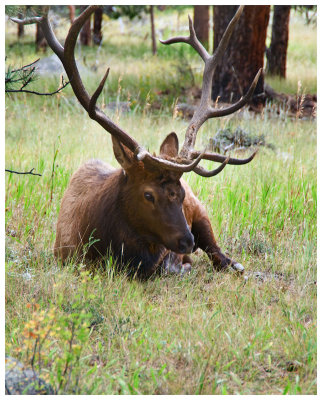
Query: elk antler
point(67, 57)
point(205, 111)
point(188, 159)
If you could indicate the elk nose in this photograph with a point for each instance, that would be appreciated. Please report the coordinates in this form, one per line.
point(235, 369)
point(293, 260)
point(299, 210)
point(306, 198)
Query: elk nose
point(185, 244)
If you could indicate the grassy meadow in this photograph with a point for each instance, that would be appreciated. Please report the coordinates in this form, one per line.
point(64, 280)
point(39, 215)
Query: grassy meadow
point(205, 333)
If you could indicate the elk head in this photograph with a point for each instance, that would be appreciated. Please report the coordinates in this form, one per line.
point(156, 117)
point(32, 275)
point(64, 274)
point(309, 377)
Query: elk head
point(158, 195)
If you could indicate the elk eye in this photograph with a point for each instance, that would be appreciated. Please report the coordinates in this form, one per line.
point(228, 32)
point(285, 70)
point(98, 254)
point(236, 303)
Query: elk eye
point(149, 197)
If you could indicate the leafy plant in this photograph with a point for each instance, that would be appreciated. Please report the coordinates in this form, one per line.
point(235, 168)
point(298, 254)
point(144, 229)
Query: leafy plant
point(53, 341)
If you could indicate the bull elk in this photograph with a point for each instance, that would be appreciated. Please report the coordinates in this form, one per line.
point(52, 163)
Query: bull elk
point(144, 213)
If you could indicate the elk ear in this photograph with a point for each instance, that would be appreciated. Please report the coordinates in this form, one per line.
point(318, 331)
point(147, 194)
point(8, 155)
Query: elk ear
point(123, 155)
point(170, 145)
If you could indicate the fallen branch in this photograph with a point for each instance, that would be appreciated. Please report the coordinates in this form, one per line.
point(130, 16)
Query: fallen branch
point(23, 173)
point(22, 90)
point(25, 75)
point(25, 66)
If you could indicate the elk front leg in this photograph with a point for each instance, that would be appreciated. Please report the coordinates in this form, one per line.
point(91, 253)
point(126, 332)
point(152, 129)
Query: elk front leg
point(205, 240)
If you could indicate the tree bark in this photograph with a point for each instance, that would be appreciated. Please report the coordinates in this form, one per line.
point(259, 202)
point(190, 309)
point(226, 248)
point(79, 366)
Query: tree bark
point(21, 29)
point(71, 13)
point(85, 33)
point(277, 52)
point(244, 55)
point(201, 24)
point(97, 30)
point(154, 45)
point(41, 42)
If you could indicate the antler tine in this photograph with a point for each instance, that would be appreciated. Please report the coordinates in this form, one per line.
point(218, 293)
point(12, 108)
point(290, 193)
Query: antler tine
point(67, 58)
point(204, 110)
point(220, 158)
point(69, 61)
point(207, 174)
point(47, 31)
point(143, 155)
point(218, 54)
point(192, 40)
point(93, 100)
point(221, 112)
point(26, 21)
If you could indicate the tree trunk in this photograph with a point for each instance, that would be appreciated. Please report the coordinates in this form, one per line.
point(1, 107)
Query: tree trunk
point(201, 24)
point(154, 45)
point(277, 52)
point(85, 33)
point(21, 30)
point(41, 42)
point(97, 30)
point(71, 13)
point(244, 55)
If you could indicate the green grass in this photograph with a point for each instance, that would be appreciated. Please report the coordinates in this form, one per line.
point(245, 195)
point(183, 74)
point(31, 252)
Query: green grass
point(206, 333)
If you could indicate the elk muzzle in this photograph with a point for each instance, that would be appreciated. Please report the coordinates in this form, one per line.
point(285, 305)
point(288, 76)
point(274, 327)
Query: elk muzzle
point(185, 243)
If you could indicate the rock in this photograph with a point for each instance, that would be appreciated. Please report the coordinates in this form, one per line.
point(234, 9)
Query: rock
point(52, 66)
point(20, 380)
point(49, 65)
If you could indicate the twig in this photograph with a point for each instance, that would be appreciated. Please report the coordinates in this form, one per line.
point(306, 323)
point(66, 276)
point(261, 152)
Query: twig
point(32, 361)
point(67, 359)
point(25, 74)
point(20, 78)
point(25, 84)
point(25, 66)
point(21, 90)
point(23, 173)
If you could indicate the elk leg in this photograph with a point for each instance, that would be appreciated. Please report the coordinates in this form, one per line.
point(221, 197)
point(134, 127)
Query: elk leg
point(205, 240)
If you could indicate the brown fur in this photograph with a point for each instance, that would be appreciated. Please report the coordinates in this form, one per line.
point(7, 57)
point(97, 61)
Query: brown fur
point(109, 207)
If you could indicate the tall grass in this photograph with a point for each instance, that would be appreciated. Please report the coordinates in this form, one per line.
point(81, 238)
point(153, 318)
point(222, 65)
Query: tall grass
point(206, 333)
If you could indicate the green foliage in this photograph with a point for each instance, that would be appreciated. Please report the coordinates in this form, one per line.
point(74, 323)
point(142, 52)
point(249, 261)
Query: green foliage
point(20, 77)
point(13, 11)
point(25, 11)
point(129, 11)
point(53, 341)
point(309, 12)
